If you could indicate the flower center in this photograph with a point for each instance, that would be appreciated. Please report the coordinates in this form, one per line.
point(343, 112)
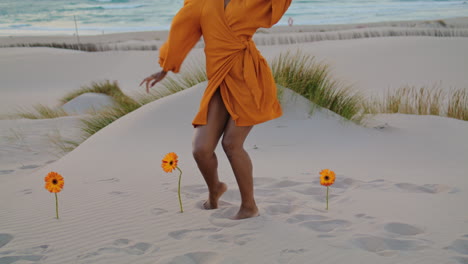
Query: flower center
point(54, 181)
point(327, 178)
point(170, 163)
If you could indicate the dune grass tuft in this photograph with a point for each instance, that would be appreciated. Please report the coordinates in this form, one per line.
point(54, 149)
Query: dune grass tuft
point(111, 89)
point(302, 74)
point(458, 104)
point(40, 111)
point(191, 76)
point(423, 101)
point(411, 100)
point(88, 47)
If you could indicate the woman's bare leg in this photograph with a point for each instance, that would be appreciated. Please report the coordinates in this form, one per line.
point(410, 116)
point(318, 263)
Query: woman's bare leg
point(205, 139)
point(233, 145)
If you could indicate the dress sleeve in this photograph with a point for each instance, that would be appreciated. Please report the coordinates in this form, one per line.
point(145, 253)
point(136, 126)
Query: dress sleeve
point(184, 34)
point(278, 8)
point(269, 12)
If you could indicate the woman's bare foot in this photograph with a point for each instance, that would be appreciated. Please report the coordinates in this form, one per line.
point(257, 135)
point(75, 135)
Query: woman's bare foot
point(212, 202)
point(246, 212)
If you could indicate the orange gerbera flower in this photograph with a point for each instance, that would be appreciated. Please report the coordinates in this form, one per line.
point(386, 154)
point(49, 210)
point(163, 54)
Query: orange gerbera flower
point(54, 182)
point(327, 177)
point(169, 162)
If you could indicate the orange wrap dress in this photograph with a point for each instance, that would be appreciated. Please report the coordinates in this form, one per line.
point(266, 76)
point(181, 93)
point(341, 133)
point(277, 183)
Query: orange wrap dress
point(233, 63)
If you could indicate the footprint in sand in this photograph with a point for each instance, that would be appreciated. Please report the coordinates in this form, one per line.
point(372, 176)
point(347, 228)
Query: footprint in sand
point(196, 257)
point(222, 218)
point(193, 191)
point(345, 183)
point(199, 191)
point(284, 184)
point(364, 216)
point(387, 246)
point(33, 254)
point(240, 239)
point(461, 260)
point(310, 190)
point(287, 255)
point(426, 188)
point(26, 191)
point(317, 191)
point(192, 233)
point(302, 218)
point(407, 187)
point(327, 225)
point(5, 239)
point(4, 172)
point(460, 246)
point(120, 246)
point(379, 184)
point(279, 209)
point(158, 211)
point(319, 223)
point(119, 193)
point(403, 229)
point(28, 167)
point(110, 180)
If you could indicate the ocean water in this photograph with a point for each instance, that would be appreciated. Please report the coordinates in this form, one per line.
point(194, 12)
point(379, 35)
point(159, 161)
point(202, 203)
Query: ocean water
point(49, 17)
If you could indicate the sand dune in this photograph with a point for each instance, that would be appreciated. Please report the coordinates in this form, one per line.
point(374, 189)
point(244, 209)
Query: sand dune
point(397, 199)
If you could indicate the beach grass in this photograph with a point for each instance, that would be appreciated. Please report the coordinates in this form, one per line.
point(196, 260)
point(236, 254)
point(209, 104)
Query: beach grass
point(111, 89)
point(422, 101)
point(301, 73)
point(297, 71)
point(40, 111)
point(458, 104)
point(88, 47)
point(192, 75)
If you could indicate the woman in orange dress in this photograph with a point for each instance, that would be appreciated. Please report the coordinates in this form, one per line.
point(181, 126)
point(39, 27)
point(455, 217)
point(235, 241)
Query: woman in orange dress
point(241, 91)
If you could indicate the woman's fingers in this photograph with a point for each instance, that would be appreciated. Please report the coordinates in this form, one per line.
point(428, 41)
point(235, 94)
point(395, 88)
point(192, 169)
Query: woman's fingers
point(152, 80)
point(148, 81)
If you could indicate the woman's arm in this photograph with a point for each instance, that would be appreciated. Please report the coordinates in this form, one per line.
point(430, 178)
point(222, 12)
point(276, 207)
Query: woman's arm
point(184, 34)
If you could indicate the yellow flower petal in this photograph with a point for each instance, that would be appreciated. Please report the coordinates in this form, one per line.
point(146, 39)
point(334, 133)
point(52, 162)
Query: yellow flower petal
point(327, 177)
point(169, 162)
point(54, 182)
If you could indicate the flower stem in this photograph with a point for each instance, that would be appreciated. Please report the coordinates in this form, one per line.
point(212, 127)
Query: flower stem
point(180, 200)
point(56, 205)
point(327, 196)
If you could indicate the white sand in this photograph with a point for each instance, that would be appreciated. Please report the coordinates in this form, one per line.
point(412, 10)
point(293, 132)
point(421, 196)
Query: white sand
point(88, 103)
point(399, 197)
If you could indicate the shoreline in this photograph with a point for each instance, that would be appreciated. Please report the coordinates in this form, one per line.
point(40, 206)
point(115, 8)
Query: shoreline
point(455, 26)
point(162, 29)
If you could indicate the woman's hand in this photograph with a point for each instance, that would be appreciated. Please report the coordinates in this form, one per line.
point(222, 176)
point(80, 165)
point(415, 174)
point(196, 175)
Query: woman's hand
point(151, 80)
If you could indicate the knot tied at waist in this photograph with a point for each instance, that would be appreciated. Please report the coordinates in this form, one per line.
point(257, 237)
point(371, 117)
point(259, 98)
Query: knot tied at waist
point(252, 70)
